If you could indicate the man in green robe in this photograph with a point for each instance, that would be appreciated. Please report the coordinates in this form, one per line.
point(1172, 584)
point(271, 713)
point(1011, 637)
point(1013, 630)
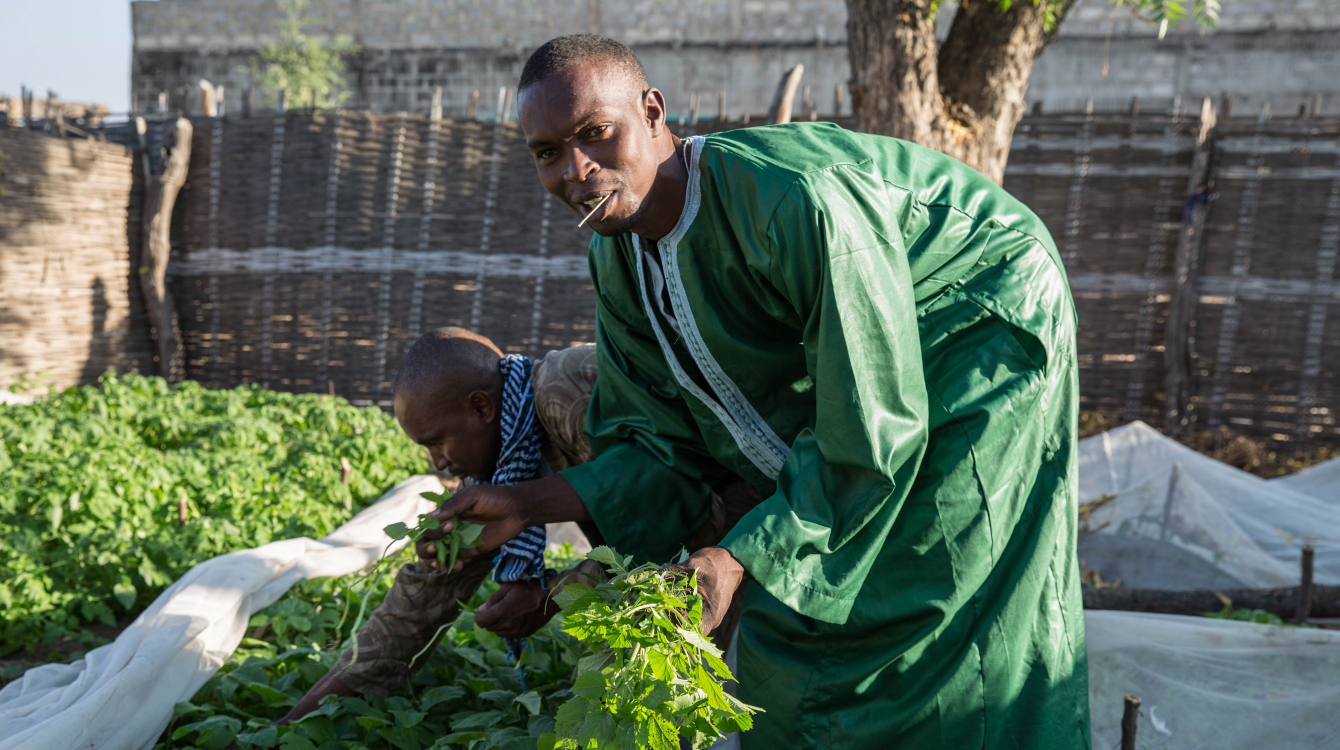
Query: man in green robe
point(881, 342)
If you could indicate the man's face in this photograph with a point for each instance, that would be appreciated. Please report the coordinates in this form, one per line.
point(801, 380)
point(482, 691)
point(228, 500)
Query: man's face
point(462, 438)
point(591, 131)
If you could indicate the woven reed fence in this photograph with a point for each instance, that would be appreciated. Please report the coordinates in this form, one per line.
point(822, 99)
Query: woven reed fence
point(69, 216)
point(311, 249)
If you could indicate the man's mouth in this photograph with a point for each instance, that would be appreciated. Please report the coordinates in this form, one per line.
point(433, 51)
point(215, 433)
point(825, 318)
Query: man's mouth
point(595, 205)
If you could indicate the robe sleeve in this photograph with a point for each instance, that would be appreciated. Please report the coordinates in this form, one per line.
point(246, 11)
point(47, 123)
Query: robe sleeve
point(649, 487)
point(843, 265)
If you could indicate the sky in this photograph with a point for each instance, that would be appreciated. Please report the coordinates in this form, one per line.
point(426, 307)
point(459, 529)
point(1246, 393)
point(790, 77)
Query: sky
point(78, 48)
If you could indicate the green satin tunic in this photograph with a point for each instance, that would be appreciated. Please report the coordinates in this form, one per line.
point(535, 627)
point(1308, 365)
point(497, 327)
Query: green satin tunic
point(882, 342)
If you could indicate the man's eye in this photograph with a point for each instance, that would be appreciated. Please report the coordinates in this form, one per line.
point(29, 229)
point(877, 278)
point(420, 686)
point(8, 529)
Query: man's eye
point(548, 153)
point(597, 131)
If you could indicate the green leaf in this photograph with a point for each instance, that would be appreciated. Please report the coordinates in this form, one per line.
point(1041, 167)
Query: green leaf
point(295, 741)
point(437, 497)
point(125, 594)
point(571, 593)
point(500, 696)
point(468, 533)
point(400, 737)
point(396, 530)
point(478, 720)
point(598, 661)
point(605, 556)
point(659, 694)
point(589, 683)
point(530, 700)
point(545, 742)
point(440, 694)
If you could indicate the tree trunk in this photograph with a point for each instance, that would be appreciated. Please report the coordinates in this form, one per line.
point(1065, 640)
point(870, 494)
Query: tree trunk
point(963, 97)
point(160, 195)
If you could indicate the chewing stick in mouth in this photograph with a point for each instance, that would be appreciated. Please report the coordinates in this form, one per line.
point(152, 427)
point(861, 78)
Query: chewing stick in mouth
point(594, 208)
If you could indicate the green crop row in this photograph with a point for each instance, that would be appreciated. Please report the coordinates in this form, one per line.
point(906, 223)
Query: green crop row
point(467, 695)
point(110, 493)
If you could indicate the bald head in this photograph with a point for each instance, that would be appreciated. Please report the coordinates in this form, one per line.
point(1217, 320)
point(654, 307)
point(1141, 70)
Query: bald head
point(447, 364)
point(447, 398)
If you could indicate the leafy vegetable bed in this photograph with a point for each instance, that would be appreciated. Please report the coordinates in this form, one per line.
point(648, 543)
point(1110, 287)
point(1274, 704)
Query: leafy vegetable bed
point(466, 695)
point(94, 482)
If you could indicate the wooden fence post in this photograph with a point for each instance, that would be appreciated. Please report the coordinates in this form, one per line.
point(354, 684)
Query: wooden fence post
point(780, 111)
point(1305, 590)
point(1180, 329)
point(472, 109)
point(1130, 720)
point(160, 194)
point(209, 103)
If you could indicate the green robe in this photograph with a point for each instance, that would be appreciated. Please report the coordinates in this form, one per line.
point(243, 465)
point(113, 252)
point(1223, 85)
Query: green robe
point(883, 343)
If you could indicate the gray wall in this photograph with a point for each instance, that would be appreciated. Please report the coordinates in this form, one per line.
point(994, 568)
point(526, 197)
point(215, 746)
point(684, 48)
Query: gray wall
point(1283, 51)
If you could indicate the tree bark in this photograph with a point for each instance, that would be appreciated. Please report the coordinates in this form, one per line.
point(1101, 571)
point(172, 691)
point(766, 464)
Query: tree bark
point(964, 97)
point(160, 194)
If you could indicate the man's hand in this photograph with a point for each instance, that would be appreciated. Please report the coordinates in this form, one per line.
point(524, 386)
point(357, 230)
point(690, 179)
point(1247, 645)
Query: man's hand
point(505, 513)
point(517, 610)
point(494, 506)
point(720, 575)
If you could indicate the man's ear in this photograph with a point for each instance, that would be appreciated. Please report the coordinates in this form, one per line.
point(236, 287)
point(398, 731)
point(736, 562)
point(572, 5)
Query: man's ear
point(653, 109)
point(480, 403)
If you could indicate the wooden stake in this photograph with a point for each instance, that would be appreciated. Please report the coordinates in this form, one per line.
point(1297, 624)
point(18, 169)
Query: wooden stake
point(1130, 719)
point(1316, 106)
point(218, 99)
point(209, 105)
point(182, 512)
point(837, 100)
point(721, 106)
point(780, 111)
point(345, 471)
point(472, 109)
point(1305, 590)
point(435, 109)
point(162, 104)
point(330, 388)
point(281, 102)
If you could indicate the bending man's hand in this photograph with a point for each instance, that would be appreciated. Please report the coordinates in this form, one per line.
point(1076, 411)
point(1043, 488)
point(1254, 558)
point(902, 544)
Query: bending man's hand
point(505, 512)
point(720, 575)
point(493, 506)
point(517, 610)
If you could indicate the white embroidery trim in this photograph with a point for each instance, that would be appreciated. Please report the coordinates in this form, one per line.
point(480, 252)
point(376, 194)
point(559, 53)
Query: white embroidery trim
point(752, 434)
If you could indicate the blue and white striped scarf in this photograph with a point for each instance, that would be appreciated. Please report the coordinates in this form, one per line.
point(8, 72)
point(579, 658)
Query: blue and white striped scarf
point(523, 557)
point(519, 461)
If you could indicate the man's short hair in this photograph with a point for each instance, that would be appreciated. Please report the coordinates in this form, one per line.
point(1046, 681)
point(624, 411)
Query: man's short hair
point(560, 52)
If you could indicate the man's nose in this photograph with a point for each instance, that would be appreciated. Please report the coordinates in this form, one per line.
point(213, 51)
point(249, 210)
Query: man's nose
point(438, 460)
point(579, 166)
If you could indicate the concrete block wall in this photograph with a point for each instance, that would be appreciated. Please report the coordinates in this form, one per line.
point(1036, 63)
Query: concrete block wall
point(1282, 51)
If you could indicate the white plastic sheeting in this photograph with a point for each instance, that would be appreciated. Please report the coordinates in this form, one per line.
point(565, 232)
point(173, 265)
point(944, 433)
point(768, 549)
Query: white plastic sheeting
point(1209, 684)
point(1321, 481)
point(1181, 520)
point(120, 696)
